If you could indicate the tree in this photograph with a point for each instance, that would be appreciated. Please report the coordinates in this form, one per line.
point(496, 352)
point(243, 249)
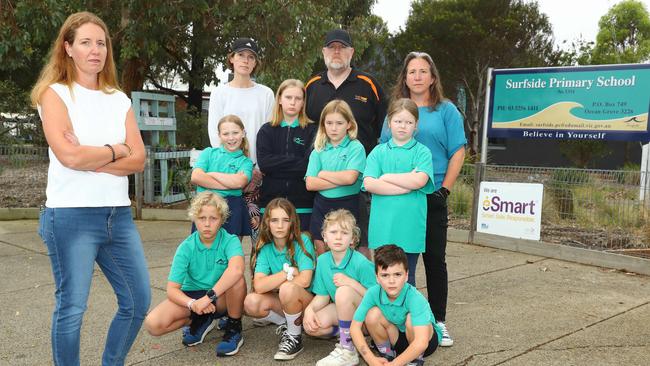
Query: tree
point(466, 37)
point(158, 40)
point(623, 34)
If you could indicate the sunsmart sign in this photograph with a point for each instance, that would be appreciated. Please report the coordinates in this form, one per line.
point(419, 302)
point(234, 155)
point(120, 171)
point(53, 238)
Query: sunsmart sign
point(510, 209)
point(609, 102)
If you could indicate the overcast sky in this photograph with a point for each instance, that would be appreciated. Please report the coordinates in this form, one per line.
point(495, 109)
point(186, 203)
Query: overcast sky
point(571, 19)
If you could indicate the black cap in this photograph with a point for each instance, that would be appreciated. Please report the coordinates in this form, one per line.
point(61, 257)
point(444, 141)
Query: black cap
point(338, 35)
point(242, 44)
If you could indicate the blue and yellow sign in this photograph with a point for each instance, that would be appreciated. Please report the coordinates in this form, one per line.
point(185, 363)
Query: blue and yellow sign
point(609, 102)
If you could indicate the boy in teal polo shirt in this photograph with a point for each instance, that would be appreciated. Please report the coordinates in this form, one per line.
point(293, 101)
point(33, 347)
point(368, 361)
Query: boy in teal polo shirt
point(206, 278)
point(399, 174)
point(341, 279)
point(396, 314)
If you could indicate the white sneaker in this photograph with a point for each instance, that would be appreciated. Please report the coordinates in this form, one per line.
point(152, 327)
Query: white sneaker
point(446, 340)
point(340, 357)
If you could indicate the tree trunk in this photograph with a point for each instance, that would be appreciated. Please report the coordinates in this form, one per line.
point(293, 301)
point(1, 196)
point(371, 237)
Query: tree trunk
point(196, 79)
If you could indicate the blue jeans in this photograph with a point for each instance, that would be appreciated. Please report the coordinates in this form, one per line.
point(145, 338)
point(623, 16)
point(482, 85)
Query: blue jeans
point(76, 238)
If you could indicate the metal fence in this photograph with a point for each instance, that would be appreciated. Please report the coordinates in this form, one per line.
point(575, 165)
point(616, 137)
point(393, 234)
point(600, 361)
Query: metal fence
point(599, 209)
point(589, 208)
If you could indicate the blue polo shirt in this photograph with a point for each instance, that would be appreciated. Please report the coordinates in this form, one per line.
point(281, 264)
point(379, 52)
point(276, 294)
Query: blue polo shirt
point(218, 159)
point(409, 301)
point(353, 265)
point(442, 131)
point(347, 155)
point(197, 267)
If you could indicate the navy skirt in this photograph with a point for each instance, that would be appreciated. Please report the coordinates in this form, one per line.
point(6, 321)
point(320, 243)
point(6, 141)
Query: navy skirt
point(323, 205)
point(239, 222)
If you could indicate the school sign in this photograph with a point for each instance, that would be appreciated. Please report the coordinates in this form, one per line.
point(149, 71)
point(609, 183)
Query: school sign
point(608, 102)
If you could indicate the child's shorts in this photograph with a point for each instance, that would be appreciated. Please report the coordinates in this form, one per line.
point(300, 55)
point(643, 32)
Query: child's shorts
point(239, 221)
point(402, 344)
point(323, 205)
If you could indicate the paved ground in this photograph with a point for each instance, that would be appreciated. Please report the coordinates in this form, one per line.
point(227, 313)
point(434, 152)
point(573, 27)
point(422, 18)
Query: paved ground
point(505, 308)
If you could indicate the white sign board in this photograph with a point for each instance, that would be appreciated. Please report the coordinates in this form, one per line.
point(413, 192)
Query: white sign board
point(510, 209)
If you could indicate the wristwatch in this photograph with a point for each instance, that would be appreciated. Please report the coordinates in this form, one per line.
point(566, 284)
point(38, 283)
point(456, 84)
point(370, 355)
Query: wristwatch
point(211, 295)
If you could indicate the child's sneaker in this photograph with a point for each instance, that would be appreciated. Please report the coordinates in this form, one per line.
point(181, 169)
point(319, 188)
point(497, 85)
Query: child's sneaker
point(416, 362)
point(290, 346)
point(222, 322)
point(340, 357)
point(190, 339)
point(446, 340)
point(231, 342)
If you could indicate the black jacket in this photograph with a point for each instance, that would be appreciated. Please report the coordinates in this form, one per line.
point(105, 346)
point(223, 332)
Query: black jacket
point(283, 155)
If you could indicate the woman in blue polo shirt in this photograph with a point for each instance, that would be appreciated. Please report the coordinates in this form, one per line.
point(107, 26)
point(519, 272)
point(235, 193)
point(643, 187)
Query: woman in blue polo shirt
point(441, 130)
point(335, 167)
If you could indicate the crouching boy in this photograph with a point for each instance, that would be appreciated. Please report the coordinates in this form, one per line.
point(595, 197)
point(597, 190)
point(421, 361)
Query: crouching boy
point(396, 315)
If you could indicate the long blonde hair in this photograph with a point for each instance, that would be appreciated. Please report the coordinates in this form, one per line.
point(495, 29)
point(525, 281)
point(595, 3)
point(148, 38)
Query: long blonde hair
point(278, 116)
point(342, 108)
point(236, 120)
point(61, 69)
point(266, 238)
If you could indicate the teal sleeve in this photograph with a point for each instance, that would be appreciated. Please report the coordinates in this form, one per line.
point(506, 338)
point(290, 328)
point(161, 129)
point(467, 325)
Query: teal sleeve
point(419, 309)
point(247, 168)
point(424, 164)
point(233, 247)
point(367, 277)
point(204, 159)
point(314, 166)
point(180, 264)
point(318, 287)
point(305, 262)
point(262, 264)
point(357, 160)
point(455, 130)
point(366, 304)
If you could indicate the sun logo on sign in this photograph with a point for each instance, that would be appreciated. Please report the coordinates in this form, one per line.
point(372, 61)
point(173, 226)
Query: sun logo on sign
point(486, 203)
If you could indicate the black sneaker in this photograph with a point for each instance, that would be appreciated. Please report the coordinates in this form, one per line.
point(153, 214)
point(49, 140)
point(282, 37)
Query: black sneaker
point(290, 346)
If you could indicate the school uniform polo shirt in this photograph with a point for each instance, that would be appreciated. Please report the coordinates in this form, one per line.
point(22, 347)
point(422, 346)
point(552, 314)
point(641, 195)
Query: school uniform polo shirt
point(271, 261)
point(442, 131)
point(409, 301)
point(197, 267)
point(399, 219)
point(347, 155)
point(353, 265)
point(363, 94)
point(218, 159)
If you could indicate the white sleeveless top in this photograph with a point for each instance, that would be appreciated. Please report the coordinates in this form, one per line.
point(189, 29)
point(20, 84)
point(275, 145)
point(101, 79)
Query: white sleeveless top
point(97, 119)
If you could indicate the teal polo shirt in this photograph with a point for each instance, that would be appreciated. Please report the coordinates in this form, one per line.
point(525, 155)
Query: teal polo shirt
point(271, 261)
point(442, 131)
point(218, 159)
point(353, 265)
point(399, 219)
point(197, 267)
point(347, 155)
point(409, 301)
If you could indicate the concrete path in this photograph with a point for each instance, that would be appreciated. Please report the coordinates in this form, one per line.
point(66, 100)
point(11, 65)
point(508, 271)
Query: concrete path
point(505, 308)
